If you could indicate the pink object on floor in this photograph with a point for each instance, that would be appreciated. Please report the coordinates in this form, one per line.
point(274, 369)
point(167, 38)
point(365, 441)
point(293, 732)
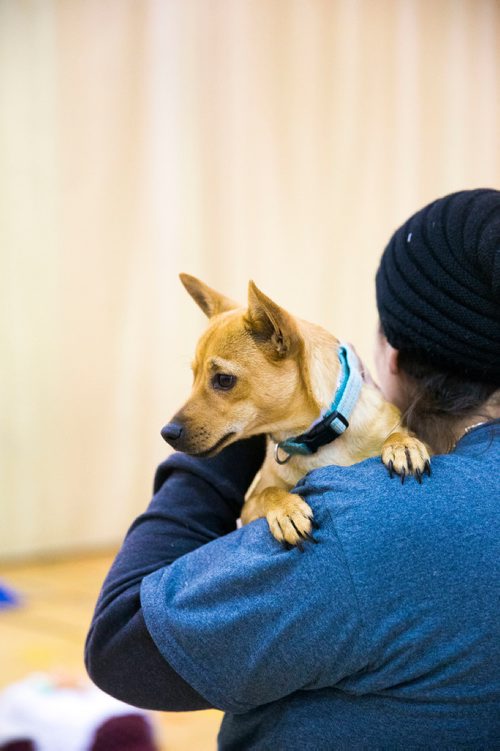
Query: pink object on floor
point(125, 733)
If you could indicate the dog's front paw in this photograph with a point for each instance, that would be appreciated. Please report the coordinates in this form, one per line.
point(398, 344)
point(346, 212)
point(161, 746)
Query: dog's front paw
point(404, 455)
point(291, 521)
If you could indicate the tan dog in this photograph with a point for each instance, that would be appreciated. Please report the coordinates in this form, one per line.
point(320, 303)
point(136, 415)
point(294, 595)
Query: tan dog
point(260, 370)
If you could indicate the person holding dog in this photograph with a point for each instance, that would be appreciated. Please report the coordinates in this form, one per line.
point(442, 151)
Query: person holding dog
point(386, 633)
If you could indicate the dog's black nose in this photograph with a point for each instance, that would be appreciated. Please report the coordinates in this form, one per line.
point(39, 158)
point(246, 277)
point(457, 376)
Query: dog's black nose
point(171, 432)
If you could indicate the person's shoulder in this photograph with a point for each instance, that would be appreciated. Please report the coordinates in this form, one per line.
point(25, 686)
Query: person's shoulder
point(358, 481)
point(367, 489)
point(361, 474)
point(371, 476)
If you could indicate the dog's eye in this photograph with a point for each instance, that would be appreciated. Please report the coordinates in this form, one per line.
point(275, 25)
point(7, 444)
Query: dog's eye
point(223, 381)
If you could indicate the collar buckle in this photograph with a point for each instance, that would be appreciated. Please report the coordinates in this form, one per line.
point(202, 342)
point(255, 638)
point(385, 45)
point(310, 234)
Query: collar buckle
point(323, 432)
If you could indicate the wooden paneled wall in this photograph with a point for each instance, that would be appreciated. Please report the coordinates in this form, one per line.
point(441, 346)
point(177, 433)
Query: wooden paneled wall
point(279, 140)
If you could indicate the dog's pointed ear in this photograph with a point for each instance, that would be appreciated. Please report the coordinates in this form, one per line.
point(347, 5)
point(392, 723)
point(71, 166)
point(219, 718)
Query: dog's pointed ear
point(211, 302)
point(270, 324)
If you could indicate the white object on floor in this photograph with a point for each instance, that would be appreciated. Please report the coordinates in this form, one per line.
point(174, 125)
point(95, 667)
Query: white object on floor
point(56, 715)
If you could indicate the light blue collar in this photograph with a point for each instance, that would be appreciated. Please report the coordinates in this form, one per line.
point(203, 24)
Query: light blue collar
point(334, 421)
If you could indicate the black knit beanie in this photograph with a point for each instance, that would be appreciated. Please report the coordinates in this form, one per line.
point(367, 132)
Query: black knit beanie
point(438, 285)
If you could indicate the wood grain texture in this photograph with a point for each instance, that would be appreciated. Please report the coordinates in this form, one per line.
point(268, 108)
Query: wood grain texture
point(48, 630)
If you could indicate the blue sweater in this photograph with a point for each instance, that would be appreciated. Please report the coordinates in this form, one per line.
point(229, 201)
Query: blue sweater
point(385, 635)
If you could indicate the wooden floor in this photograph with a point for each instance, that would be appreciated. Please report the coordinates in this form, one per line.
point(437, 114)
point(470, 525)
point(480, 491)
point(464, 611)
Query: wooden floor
point(48, 630)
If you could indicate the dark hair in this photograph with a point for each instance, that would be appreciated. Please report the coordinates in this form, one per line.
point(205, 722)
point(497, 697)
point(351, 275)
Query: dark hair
point(438, 398)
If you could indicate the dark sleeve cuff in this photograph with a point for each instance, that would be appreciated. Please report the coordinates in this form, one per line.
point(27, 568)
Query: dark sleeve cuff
point(130, 668)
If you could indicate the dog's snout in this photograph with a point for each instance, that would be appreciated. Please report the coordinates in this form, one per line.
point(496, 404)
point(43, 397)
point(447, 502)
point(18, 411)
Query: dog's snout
point(171, 432)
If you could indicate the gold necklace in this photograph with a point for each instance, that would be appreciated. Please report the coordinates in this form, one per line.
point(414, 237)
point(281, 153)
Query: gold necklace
point(471, 427)
point(467, 430)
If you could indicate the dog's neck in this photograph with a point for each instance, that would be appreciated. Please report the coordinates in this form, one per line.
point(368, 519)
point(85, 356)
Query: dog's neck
point(371, 416)
point(320, 369)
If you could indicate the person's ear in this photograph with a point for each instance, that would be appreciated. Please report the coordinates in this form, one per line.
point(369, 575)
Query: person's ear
point(392, 359)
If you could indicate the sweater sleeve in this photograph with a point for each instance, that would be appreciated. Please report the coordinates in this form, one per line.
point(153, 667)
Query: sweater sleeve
point(195, 501)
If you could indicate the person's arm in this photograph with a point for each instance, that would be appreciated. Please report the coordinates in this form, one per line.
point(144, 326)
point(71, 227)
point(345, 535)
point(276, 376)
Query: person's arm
point(195, 501)
point(246, 622)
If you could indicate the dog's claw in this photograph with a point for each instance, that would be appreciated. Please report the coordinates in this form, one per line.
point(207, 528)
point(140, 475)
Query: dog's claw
point(403, 475)
point(311, 538)
point(418, 475)
point(299, 533)
point(314, 523)
point(427, 468)
point(302, 536)
point(390, 467)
